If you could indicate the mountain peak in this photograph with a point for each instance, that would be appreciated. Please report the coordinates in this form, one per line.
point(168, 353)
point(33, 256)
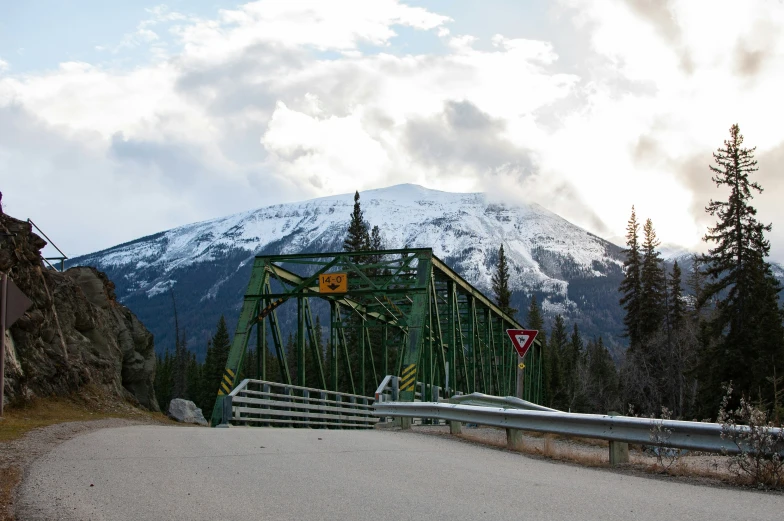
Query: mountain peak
point(207, 264)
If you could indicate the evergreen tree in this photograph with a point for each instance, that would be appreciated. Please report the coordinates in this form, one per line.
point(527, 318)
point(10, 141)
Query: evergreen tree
point(376, 242)
point(357, 237)
point(180, 362)
point(500, 283)
point(215, 364)
point(163, 380)
point(535, 321)
point(312, 376)
point(208, 390)
point(290, 348)
point(562, 369)
point(652, 285)
point(221, 345)
point(676, 312)
point(193, 377)
point(577, 385)
point(746, 328)
point(602, 377)
point(631, 286)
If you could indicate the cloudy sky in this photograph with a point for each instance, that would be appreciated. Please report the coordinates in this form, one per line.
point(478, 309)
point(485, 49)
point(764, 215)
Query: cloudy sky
point(120, 119)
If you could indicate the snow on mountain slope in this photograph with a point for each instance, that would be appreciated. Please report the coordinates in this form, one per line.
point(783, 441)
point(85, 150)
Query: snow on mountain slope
point(567, 269)
point(463, 229)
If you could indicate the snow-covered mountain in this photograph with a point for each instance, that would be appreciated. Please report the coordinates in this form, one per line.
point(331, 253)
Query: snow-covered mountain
point(571, 271)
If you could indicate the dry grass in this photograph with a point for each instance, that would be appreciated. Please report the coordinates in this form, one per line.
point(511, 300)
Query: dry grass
point(694, 467)
point(12, 476)
point(551, 446)
point(91, 404)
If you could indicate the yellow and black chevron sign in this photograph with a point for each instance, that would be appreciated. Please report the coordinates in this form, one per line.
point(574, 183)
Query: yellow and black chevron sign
point(409, 378)
point(227, 383)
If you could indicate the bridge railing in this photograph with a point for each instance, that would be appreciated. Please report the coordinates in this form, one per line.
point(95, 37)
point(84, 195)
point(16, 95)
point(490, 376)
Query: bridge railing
point(389, 391)
point(263, 403)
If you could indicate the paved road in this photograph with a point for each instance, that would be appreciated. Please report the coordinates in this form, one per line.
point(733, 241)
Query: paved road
point(170, 473)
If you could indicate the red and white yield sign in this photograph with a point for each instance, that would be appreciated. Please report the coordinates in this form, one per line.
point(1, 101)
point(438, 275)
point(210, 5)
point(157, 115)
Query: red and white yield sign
point(522, 339)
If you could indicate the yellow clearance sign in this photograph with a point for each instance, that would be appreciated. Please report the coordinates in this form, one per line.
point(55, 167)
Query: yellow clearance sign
point(333, 282)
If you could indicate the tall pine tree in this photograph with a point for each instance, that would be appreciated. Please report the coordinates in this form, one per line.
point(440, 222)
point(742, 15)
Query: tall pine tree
point(631, 286)
point(562, 370)
point(652, 285)
point(500, 283)
point(357, 236)
point(747, 326)
point(215, 363)
point(535, 321)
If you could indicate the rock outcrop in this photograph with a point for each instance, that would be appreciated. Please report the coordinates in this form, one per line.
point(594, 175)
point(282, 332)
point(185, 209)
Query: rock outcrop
point(75, 334)
point(185, 411)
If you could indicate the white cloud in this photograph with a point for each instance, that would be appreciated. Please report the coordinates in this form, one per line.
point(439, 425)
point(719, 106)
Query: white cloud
point(676, 75)
point(247, 104)
point(3, 65)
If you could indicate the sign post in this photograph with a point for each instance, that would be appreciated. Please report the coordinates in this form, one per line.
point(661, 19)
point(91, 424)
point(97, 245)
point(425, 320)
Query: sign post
point(3, 307)
point(13, 304)
point(522, 339)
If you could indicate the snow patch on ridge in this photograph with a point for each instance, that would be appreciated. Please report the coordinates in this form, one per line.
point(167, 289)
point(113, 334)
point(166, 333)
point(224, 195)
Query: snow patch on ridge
point(464, 229)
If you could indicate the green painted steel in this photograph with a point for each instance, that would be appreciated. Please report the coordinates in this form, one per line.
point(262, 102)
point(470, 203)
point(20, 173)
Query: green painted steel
point(403, 310)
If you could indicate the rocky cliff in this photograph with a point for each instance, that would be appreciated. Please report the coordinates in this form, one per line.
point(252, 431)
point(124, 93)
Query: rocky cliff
point(75, 333)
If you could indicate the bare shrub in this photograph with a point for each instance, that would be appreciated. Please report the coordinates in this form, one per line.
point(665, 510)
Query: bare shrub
point(660, 438)
point(760, 443)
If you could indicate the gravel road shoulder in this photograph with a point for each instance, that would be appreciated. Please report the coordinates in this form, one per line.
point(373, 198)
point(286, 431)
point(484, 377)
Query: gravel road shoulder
point(16, 456)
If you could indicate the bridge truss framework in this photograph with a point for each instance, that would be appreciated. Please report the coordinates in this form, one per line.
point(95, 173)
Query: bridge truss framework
point(424, 322)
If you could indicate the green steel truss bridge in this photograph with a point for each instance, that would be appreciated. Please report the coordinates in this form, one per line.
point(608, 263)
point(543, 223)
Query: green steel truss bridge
point(401, 312)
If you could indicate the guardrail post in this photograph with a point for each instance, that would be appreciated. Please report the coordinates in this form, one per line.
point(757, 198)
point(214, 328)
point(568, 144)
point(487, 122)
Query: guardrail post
point(395, 388)
point(423, 398)
point(339, 405)
point(514, 439)
point(365, 412)
point(619, 450)
point(435, 391)
point(265, 388)
point(455, 427)
point(287, 392)
point(306, 412)
point(227, 412)
point(322, 404)
point(353, 402)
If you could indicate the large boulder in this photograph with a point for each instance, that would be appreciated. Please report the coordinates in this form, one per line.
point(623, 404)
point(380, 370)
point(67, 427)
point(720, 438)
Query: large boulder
point(75, 334)
point(185, 411)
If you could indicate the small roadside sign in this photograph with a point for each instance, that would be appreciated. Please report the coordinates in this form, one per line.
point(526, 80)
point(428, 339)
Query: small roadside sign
point(16, 304)
point(333, 283)
point(522, 339)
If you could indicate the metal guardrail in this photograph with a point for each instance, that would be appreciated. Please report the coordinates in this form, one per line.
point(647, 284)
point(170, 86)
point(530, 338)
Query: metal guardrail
point(389, 391)
point(275, 404)
point(63, 256)
point(679, 434)
point(507, 402)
